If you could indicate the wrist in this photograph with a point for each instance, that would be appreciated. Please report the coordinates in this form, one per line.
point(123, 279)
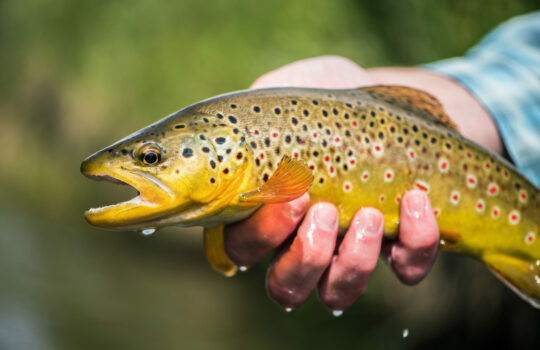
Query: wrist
point(473, 121)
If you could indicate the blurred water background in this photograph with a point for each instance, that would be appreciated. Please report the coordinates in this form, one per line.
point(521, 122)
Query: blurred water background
point(78, 75)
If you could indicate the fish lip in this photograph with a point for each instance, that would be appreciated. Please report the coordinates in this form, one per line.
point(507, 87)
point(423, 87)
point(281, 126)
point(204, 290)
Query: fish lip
point(153, 197)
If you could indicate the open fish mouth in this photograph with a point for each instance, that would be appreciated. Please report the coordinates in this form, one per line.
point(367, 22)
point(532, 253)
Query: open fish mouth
point(153, 200)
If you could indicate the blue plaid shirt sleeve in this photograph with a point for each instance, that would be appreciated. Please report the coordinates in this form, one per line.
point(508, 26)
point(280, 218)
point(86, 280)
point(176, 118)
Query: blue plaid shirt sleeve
point(503, 73)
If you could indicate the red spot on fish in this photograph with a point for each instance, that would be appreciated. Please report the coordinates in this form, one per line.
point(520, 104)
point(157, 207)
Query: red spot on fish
point(296, 155)
point(495, 212)
point(352, 162)
point(444, 165)
point(354, 123)
point(326, 158)
point(315, 135)
point(336, 139)
point(365, 176)
point(522, 196)
point(261, 155)
point(480, 205)
point(377, 148)
point(493, 189)
point(398, 199)
point(469, 155)
point(506, 174)
point(275, 134)
point(513, 217)
point(347, 187)
point(381, 198)
point(487, 165)
point(436, 211)
point(422, 186)
point(331, 169)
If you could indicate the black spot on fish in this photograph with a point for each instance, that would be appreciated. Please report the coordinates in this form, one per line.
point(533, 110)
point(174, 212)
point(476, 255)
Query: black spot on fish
point(347, 133)
point(321, 180)
point(277, 111)
point(406, 131)
point(213, 164)
point(325, 113)
point(306, 112)
point(315, 102)
point(220, 140)
point(417, 142)
point(363, 117)
point(278, 150)
point(319, 125)
point(205, 120)
point(187, 152)
point(335, 111)
point(267, 141)
point(180, 126)
point(415, 128)
point(294, 121)
point(212, 180)
point(324, 143)
point(299, 140)
point(232, 119)
point(125, 151)
point(288, 138)
point(233, 106)
point(220, 158)
point(304, 127)
point(228, 150)
point(315, 153)
point(226, 171)
point(392, 129)
point(219, 115)
point(371, 124)
point(381, 135)
point(372, 113)
point(206, 149)
point(328, 132)
point(253, 145)
point(202, 137)
point(346, 115)
point(257, 109)
point(265, 177)
point(348, 105)
point(294, 102)
point(257, 161)
point(448, 146)
point(338, 125)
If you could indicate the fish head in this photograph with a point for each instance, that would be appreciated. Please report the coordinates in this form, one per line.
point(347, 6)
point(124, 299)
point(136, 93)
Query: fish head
point(184, 175)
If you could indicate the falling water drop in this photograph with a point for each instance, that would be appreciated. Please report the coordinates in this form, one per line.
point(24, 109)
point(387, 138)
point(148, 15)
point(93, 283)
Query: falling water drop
point(405, 333)
point(148, 231)
point(288, 309)
point(242, 268)
point(337, 313)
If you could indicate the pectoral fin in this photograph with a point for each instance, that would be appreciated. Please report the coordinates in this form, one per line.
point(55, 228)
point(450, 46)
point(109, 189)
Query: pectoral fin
point(291, 179)
point(214, 248)
point(522, 276)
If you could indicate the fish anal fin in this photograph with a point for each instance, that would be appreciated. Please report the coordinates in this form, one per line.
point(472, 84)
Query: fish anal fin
point(413, 100)
point(214, 248)
point(522, 276)
point(291, 179)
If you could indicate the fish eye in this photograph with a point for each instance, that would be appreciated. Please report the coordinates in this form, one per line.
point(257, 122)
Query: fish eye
point(150, 154)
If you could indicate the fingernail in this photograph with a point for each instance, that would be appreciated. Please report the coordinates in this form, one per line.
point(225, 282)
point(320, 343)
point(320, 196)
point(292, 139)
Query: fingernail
point(325, 217)
point(296, 208)
point(369, 221)
point(415, 204)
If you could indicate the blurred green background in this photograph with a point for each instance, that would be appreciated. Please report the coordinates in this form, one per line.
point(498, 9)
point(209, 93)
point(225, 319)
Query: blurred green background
point(78, 75)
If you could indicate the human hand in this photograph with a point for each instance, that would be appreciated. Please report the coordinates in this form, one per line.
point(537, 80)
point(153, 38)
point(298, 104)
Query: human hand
point(306, 261)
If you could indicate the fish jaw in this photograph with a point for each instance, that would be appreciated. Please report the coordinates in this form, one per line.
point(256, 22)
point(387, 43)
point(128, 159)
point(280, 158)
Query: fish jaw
point(154, 200)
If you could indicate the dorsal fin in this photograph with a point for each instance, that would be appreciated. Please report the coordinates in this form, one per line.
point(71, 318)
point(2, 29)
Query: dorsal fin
point(413, 100)
point(291, 179)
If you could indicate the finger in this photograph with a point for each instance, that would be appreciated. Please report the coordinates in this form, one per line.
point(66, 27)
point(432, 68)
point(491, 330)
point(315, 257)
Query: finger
point(299, 267)
point(330, 72)
point(412, 256)
point(250, 240)
point(346, 278)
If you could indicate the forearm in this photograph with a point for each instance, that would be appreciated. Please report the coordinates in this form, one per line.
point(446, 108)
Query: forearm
point(473, 121)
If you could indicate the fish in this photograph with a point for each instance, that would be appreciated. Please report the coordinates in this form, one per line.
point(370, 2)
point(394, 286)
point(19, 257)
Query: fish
point(217, 161)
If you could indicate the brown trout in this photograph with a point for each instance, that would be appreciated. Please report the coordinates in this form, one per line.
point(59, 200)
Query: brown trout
point(217, 161)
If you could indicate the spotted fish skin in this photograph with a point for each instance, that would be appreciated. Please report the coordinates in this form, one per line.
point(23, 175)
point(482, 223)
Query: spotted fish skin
point(367, 148)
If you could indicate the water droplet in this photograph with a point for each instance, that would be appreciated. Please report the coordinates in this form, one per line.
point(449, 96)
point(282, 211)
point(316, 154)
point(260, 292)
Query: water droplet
point(537, 262)
point(288, 309)
point(405, 333)
point(148, 231)
point(242, 268)
point(337, 313)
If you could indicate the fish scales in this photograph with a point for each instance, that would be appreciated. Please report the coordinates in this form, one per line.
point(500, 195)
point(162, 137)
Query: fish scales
point(365, 149)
